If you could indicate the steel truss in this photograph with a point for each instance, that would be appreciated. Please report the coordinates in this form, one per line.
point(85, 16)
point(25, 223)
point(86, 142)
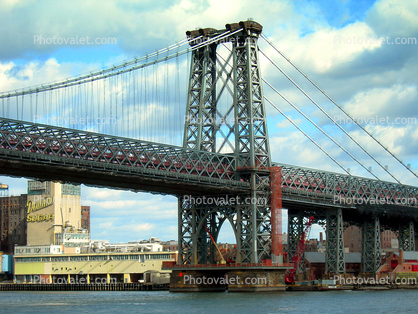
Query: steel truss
point(343, 190)
point(247, 136)
point(296, 224)
point(407, 236)
point(371, 245)
point(332, 220)
point(195, 245)
point(200, 123)
point(54, 145)
point(335, 261)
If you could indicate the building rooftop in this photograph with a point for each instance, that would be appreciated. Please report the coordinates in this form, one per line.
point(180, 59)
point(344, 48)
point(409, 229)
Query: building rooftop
point(319, 257)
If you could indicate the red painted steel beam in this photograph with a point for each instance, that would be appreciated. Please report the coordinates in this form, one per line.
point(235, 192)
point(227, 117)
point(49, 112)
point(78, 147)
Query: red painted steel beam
point(276, 211)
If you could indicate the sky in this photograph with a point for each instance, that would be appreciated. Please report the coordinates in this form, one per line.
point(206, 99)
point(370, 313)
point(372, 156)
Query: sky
point(364, 54)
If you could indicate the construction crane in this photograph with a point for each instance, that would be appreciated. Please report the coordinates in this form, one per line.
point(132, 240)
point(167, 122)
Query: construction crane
point(213, 241)
point(298, 256)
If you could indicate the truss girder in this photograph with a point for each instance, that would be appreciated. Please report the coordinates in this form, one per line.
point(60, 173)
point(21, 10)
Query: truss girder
point(345, 190)
point(24, 138)
point(334, 256)
point(407, 236)
point(371, 245)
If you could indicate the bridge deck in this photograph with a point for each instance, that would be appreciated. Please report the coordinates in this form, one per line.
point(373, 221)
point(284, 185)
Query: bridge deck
point(54, 153)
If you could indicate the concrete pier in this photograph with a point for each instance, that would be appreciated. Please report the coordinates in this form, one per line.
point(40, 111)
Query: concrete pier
point(232, 278)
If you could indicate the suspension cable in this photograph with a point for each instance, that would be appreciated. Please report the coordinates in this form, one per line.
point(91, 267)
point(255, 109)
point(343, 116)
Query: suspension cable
point(100, 74)
point(341, 108)
point(319, 128)
point(333, 120)
point(312, 140)
point(40, 88)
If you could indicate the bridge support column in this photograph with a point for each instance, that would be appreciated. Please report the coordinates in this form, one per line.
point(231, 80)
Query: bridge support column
point(334, 257)
point(296, 225)
point(371, 246)
point(195, 218)
point(407, 236)
point(253, 223)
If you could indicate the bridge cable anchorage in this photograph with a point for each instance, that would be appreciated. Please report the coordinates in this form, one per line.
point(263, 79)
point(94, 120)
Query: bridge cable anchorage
point(341, 108)
point(319, 128)
point(99, 75)
point(333, 120)
point(304, 133)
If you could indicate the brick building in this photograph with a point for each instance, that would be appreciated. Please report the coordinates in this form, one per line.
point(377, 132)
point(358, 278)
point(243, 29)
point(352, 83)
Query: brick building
point(352, 239)
point(85, 217)
point(13, 225)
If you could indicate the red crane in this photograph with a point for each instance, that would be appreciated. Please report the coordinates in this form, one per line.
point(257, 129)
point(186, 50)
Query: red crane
point(298, 256)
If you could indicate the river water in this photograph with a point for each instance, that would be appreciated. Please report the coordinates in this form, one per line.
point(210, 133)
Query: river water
point(398, 301)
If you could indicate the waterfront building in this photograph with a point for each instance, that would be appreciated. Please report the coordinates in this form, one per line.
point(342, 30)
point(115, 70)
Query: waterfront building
point(89, 268)
point(402, 264)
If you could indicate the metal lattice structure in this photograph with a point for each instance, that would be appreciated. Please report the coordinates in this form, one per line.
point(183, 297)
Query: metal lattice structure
point(371, 245)
point(247, 136)
point(348, 189)
point(407, 236)
point(334, 261)
point(53, 146)
point(200, 122)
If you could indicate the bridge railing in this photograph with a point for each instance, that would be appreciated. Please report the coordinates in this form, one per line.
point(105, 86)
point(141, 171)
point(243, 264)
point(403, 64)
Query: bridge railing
point(69, 143)
point(345, 189)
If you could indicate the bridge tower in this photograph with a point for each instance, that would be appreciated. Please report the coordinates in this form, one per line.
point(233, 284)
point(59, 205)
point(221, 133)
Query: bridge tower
point(250, 214)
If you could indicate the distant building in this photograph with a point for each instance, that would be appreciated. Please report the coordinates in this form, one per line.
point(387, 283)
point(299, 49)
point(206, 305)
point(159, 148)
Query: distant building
point(389, 240)
point(171, 245)
point(85, 218)
point(315, 264)
point(401, 264)
point(12, 222)
point(311, 245)
point(352, 239)
point(51, 208)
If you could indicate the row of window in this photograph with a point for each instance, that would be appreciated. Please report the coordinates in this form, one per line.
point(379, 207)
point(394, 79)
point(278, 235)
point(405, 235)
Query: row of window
point(88, 258)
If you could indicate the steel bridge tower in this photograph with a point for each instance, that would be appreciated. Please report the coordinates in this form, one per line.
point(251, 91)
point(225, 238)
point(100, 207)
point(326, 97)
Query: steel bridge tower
point(249, 213)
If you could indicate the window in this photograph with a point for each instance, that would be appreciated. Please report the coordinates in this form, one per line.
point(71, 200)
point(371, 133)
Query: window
point(98, 258)
point(78, 258)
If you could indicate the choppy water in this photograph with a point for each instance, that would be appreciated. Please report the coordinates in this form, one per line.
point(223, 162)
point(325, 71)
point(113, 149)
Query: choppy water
point(399, 301)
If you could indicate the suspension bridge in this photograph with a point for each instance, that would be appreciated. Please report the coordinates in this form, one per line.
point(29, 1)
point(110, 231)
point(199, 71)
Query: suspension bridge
point(119, 128)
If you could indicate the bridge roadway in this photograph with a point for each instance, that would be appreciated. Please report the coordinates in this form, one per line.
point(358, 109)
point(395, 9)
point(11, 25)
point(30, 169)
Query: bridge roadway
point(55, 153)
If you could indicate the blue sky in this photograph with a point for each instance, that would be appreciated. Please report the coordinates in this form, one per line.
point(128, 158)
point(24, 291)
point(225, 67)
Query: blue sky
point(337, 43)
